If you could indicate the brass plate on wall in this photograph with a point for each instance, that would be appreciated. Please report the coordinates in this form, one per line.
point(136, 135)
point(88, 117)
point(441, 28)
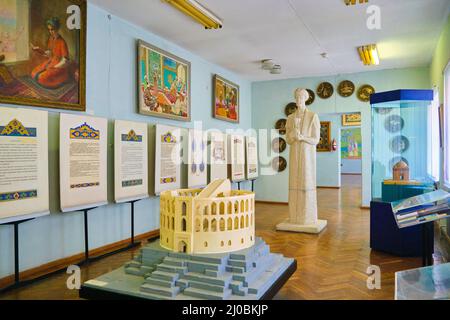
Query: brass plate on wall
point(325, 90)
point(312, 97)
point(365, 92)
point(346, 88)
point(278, 145)
point(279, 164)
point(290, 108)
point(280, 125)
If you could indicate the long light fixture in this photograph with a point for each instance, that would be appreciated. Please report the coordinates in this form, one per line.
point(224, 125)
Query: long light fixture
point(197, 12)
point(369, 54)
point(353, 2)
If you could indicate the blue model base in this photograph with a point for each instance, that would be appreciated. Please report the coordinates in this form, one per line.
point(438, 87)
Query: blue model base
point(157, 273)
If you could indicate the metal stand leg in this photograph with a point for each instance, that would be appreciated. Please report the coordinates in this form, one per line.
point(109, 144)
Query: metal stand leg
point(239, 186)
point(16, 254)
point(427, 244)
point(133, 243)
point(253, 185)
point(86, 236)
point(17, 283)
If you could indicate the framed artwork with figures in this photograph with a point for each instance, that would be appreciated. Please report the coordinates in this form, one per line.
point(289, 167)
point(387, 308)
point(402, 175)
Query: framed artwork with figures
point(43, 53)
point(164, 88)
point(325, 137)
point(226, 100)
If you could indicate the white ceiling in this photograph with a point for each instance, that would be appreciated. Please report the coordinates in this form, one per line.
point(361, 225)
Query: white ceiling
point(295, 32)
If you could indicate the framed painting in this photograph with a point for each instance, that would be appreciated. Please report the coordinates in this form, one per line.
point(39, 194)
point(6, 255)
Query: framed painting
point(164, 83)
point(43, 53)
point(325, 137)
point(351, 144)
point(352, 119)
point(226, 99)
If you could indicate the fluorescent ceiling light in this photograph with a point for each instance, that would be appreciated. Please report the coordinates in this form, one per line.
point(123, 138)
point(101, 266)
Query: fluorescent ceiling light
point(369, 54)
point(197, 12)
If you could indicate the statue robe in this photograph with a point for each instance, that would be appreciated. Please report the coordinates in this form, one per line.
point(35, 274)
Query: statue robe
point(302, 167)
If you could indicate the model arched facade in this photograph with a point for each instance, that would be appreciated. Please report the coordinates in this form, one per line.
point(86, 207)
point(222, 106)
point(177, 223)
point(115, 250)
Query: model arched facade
point(207, 225)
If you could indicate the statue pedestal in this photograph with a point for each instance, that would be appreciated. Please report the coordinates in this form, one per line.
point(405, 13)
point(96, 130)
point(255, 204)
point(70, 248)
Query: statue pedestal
point(303, 228)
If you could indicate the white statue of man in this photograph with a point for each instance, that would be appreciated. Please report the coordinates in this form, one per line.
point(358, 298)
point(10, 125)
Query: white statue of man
point(303, 135)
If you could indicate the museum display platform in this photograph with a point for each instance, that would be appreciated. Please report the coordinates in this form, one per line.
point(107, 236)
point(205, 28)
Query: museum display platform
point(159, 274)
point(429, 283)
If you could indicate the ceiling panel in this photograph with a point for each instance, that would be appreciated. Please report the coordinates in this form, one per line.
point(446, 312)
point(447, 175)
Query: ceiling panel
point(295, 32)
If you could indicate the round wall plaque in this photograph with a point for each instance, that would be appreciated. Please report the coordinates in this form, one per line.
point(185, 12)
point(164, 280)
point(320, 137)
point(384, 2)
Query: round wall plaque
point(346, 88)
point(279, 164)
point(383, 110)
point(365, 92)
point(312, 97)
point(399, 144)
point(278, 145)
point(325, 90)
point(394, 123)
point(290, 108)
point(280, 125)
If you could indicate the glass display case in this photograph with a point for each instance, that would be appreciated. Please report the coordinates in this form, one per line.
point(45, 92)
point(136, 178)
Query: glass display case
point(399, 144)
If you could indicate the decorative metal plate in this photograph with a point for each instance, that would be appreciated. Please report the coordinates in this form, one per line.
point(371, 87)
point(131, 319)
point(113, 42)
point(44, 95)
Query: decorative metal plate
point(346, 88)
point(365, 92)
point(280, 125)
point(325, 90)
point(290, 108)
point(312, 97)
point(399, 144)
point(394, 123)
point(278, 145)
point(383, 110)
point(279, 164)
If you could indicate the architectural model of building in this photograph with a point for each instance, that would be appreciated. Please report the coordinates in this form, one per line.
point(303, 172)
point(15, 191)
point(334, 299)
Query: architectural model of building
point(213, 220)
point(207, 250)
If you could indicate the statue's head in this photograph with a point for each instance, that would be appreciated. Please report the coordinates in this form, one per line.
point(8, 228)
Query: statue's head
point(301, 95)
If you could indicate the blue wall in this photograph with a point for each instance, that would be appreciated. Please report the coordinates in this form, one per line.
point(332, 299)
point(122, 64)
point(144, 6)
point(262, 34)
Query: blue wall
point(111, 93)
point(270, 98)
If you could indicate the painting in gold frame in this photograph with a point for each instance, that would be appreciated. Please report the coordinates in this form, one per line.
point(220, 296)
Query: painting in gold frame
point(226, 100)
point(164, 83)
point(325, 137)
point(351, 119)
point(43, 53)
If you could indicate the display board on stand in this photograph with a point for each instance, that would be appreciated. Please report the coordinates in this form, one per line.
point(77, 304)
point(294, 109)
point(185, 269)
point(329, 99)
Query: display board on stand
point(167, 158)
point(236, 157)
point(218, 156)
point(130, 161)
point(197, 155)
point(251, 152)
point(24, 164)
point(83, 162)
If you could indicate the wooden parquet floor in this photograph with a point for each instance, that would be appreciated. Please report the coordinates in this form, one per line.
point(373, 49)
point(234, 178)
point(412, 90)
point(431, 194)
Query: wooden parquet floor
point(331, 265)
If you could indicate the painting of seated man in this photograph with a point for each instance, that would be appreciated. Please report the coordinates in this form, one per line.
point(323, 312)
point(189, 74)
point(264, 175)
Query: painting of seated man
point(42, 53)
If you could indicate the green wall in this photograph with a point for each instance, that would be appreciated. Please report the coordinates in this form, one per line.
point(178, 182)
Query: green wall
point(440, 60)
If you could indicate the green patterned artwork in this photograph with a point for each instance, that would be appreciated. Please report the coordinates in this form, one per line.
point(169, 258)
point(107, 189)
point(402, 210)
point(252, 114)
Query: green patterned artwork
point(351, 143)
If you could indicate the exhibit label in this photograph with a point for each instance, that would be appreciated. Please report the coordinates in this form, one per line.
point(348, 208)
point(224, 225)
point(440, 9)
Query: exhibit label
point(130, 161)
point(83, 162)
point(23, 164)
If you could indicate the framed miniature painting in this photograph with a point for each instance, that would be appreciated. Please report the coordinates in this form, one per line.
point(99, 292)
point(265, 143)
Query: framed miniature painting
point(352, 119)
point(164, 83)
point(325, 137)
point(226, 100)
point(43, 53)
